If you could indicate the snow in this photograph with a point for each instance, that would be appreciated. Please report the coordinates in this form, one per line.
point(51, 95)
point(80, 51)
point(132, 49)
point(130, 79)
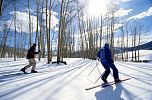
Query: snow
point(144, 55)
point(68, 82)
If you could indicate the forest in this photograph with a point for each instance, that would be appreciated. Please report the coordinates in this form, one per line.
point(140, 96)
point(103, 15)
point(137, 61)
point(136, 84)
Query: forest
point(78, 33)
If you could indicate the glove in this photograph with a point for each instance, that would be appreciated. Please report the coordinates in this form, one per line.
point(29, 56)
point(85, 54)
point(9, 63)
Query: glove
point(112, 61)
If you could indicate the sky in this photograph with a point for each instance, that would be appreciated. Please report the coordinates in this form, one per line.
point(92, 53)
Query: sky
point(22, 19)
point(128, 8)
point(139, 10)
point(23, 16)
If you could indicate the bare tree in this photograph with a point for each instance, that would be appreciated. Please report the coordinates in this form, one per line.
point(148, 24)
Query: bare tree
point(4, 5)
point(37, 25)
point(3, 42)
point(50, 47)
point(127, 41)
point(122, 43)
point(101, 30)
point(1, 6)
point(30, 33)
point(139, 40)
point(42, 36)
point(68, 14)
point(47, 34)
point(132, 57)
point(15, 30)
point(59, 33)
point(112, 10)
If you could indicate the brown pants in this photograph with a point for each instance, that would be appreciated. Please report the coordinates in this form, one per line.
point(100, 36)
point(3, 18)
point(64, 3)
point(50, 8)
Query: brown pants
point(32, 63)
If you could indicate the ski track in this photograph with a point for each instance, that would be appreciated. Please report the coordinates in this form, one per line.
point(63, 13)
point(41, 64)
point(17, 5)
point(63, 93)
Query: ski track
point(68, 82)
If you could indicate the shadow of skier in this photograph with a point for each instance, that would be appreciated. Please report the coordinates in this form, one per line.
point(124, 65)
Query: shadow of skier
point(109, 93)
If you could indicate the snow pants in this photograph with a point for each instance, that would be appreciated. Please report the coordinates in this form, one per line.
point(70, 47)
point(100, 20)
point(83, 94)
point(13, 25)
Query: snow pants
point(32, 63)
point(107, 67)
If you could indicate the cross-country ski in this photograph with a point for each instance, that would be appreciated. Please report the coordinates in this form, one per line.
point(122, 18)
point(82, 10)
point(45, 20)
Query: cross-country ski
point(108, 84)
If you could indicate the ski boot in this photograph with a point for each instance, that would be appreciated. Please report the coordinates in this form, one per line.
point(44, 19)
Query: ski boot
point(23, 70)
point(104, 80)
point(117, 80)
point(33, 71)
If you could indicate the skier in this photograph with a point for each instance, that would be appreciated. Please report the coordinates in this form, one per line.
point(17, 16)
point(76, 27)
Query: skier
point(105, 57)
point(31, 58)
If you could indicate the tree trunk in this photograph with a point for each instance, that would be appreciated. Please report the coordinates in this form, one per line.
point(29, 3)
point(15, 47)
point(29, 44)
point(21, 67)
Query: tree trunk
point(59, 33)
point(30, 37)
point(15, 31)
point(1, 7)
point(47, 34)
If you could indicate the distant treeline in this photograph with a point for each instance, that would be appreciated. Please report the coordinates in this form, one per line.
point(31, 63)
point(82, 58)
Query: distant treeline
point(146, 46)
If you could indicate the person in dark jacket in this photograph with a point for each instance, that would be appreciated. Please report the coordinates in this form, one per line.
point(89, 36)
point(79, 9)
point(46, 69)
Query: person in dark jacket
point(105, 56)
point(31, 58)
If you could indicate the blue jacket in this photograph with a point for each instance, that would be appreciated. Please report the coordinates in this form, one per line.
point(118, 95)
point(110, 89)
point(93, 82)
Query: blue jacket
point(105, 54)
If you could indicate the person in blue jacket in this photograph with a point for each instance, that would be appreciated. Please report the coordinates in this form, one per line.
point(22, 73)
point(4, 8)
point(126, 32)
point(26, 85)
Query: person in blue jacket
point(105, 56)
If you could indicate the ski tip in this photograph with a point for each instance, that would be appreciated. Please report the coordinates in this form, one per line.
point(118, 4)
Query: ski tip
point(125, 78)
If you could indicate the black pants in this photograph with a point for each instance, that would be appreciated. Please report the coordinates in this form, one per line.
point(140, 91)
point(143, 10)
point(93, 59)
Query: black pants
point(107, 67)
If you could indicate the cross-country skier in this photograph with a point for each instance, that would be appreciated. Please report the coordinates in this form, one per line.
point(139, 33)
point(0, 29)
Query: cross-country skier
point(31, 58)
point(104, 55)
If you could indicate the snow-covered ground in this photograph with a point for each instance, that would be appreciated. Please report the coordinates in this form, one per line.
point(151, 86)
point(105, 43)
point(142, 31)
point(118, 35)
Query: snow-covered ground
point(68, 82)
point(144, 55)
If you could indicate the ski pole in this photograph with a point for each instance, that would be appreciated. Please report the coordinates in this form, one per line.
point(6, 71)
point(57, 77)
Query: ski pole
point(93, 69)
point(98, 78)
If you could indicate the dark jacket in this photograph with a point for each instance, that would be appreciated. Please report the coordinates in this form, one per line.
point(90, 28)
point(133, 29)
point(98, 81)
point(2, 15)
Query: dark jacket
point(31, 53)
point(108, 53)
point(105, 54)
point(101, 55)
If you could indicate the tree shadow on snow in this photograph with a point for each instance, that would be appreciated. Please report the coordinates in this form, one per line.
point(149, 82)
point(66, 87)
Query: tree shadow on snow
point(33, 84)
point(109, 93)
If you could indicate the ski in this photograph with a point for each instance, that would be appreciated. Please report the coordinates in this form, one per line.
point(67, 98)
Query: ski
point(22, 73)
point(108, 84)
point(15, 74)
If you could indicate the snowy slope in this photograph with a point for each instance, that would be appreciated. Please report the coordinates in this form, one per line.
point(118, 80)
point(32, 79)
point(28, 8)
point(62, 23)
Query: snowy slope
point(68, 82)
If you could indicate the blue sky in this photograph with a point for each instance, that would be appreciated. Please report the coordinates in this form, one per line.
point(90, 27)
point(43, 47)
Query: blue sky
point(22, 15)
point(136, 7)
point(139, 10)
